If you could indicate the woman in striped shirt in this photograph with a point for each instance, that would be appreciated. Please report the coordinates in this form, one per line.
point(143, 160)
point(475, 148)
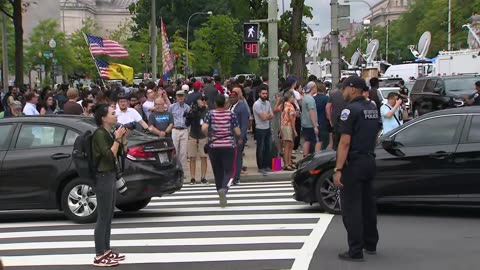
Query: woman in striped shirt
point(221, 127)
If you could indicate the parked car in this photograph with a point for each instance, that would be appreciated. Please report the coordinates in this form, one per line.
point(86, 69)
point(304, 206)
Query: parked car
point(437, 93)
point(432, 159)
point(37, 171)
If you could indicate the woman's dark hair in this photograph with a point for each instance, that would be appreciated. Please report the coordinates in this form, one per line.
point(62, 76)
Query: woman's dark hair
point(100, 111)
point(44, 103)
point(85, 102)
point(220, 101)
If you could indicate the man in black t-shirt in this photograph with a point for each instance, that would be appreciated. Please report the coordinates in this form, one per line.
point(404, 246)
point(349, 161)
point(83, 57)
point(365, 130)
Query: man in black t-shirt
point(474, 99)
point(197, 139)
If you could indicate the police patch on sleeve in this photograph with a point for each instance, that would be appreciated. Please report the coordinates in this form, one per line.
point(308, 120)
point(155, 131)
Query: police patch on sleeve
point(344, 115)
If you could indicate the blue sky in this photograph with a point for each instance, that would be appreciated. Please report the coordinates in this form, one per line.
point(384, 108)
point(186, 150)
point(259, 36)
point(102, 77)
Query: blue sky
point(321, 12)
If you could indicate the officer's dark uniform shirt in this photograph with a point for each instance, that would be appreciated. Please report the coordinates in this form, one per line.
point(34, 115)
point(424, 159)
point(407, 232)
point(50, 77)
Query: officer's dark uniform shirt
point(360, 120)
point(476, 98)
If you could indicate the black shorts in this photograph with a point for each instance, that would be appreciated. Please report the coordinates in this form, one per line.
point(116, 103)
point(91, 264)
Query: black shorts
point(309, 135)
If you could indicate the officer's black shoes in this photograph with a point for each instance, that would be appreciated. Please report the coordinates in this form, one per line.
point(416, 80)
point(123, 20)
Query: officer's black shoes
point(370, 252)
point(347, 257)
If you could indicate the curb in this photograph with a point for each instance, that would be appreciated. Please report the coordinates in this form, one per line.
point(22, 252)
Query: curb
point(256, 177)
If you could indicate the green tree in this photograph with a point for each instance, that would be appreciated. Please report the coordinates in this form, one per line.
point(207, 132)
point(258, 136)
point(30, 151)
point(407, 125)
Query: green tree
point(219, 38)
point(13, 9)
point(38, 44)
point(83, 64)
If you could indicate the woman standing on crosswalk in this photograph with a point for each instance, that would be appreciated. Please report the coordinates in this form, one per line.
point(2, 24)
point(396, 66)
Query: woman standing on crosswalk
point(106, 146)
point(221, 126)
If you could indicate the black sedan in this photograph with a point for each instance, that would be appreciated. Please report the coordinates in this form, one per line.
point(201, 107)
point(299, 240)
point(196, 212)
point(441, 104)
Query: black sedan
point(37, 171)
point(433, 159)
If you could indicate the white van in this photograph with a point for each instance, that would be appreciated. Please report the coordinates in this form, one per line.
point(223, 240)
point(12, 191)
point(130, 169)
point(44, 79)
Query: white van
point(406, 71)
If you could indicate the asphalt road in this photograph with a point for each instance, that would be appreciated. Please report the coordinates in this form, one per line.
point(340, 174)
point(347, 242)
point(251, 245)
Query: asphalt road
point(262, 228)
point(422, 238)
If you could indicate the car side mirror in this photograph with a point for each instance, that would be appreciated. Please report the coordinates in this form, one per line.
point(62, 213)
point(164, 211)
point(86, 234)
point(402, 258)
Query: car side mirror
point(388, 143)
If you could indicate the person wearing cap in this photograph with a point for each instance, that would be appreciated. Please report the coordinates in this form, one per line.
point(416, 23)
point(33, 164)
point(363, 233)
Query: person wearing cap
point(210, 93)
point(355, 170)
point(309, 119)
point(474, 99)
point(126, 114)
point(15, 110)
point(31, 104)
point(195, 95)
point(180, 130)
point(197, 139)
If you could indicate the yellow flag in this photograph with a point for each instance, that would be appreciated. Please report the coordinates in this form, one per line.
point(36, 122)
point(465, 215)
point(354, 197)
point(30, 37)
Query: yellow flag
point(120, 72)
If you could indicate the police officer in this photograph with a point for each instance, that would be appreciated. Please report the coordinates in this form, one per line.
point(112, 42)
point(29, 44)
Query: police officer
point(355, 169)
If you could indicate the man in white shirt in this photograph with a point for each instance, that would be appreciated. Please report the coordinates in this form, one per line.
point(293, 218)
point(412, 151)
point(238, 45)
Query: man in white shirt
point(393, 112)
point(31, 105)
point(126, 115)
point(149, 105)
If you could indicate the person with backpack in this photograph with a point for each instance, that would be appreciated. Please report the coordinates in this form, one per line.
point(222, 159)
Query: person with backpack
point(107, 146)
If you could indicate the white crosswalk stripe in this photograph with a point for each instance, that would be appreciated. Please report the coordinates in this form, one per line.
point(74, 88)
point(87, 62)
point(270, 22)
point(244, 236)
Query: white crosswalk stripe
point(262, 223)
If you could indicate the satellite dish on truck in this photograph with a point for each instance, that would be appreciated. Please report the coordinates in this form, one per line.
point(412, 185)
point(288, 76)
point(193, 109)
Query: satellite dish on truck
point(355, 58)
point(423, 46)
point(372, 50)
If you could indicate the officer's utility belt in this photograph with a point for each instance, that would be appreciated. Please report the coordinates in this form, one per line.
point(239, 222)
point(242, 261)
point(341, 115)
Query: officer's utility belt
point(354, 155)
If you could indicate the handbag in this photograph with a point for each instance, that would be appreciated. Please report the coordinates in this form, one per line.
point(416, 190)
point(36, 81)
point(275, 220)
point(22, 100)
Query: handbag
point(207, 145)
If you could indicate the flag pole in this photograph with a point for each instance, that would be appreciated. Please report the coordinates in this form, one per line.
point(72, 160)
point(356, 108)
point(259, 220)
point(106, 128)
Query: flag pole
point(93, 58)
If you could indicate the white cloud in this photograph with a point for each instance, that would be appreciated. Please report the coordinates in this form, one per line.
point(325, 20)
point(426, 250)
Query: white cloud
point(321, 12)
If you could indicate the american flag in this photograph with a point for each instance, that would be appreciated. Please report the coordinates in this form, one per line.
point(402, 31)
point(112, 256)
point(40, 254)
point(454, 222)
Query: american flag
point(167, 54)
point(102, 46)
point(102, 68)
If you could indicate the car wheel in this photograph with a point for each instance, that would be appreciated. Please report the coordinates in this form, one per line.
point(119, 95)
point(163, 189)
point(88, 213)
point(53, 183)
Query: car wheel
point(134, 206)
point(79, 202)
point(328, 195)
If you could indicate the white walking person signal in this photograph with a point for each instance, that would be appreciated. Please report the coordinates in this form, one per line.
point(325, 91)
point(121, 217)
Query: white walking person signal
point(251, 32)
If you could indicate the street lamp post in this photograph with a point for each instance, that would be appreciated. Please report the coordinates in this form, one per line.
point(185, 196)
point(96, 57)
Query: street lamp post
point(188, 27)
point(52, 44)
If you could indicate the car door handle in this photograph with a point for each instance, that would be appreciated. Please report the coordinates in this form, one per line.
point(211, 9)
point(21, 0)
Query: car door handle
point(440, 155)
point(60, 156)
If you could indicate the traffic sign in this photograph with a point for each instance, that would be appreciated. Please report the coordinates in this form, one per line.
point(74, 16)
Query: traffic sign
point(343, 11)
point(251, 31)
point(251, 48)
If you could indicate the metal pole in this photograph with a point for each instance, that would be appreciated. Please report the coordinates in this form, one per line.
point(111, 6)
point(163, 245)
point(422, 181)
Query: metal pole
point(186, 55)
point(5, 54)
point(153, 53)
point(334, 44)
point(449, 25)
point(273, 68)
point(388, 40)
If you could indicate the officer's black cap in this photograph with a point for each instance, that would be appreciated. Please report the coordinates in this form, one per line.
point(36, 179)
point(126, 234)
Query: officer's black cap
point(355, 82)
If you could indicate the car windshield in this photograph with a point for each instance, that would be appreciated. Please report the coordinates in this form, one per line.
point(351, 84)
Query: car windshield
point(461, 86)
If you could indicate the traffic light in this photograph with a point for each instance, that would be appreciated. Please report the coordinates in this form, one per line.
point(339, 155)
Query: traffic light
point(251, 37)
point(142, 57)
point(184, 59)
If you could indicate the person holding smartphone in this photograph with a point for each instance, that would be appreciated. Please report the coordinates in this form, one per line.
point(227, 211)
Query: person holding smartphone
point(393, 112)
point(107, 146)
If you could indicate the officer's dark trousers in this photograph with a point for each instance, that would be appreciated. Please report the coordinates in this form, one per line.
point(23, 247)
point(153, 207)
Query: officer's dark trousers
point(359, 206)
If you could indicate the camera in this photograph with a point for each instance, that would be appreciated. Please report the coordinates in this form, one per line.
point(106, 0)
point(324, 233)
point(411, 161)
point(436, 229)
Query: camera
point(130, 126)
point(121, 186)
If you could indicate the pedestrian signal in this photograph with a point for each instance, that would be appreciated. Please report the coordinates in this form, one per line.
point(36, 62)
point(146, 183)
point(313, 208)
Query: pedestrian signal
point(251, 32)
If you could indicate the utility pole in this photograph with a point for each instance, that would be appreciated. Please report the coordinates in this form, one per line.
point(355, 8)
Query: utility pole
point(153, 44)
point(5, 54)
point(449, 25)
point(334, 40)
point(272, 67)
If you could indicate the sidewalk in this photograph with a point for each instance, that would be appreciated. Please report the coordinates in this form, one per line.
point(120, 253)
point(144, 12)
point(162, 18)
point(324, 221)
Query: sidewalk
point(249, 161)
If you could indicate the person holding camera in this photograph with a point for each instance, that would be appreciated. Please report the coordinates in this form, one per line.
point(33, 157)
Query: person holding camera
point(107, 148)
point(393, 112)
